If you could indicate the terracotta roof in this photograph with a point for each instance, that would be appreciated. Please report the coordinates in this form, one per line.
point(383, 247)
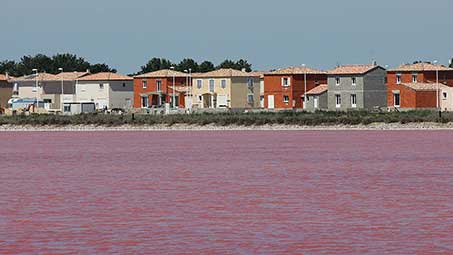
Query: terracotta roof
point(318, 90)
point(225, 73)
point(71, 76)
point(165, 73)
point(422, 86)
point(297, 70)
point(420, 67)
point(352, 69)
point(3, 77)
point(41, 77)
point(106, 77)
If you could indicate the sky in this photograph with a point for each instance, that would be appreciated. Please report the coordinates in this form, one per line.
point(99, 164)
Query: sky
point(269, 34)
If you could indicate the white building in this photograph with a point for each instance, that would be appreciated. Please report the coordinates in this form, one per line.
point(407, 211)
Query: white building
point(106, 90)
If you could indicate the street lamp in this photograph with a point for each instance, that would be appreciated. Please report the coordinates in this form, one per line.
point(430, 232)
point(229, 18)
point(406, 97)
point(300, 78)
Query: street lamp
point(305, 86)
point(36, 80)
point(437, 86)
point(187, 89)
point(62, 89)
point(174, 89)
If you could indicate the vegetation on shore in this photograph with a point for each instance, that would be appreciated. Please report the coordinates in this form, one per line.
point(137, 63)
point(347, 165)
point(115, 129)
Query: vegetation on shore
point(225, 119)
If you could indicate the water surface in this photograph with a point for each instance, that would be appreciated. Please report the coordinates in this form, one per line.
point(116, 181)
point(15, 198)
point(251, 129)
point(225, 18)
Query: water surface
point(313, 192)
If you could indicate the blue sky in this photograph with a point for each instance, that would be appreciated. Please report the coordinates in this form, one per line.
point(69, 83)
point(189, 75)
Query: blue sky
point(270, 34)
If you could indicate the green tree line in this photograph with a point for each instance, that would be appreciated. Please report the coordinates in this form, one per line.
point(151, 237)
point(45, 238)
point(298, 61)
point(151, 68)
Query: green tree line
point(69, 63)
point(156, 64)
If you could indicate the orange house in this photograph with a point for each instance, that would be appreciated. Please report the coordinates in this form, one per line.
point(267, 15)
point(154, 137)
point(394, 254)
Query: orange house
point(154, 89)
point(413, 86)
point(285, 88)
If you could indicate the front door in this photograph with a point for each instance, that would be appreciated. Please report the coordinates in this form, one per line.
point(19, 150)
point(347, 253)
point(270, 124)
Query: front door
point(316, 102)
point(270, 102)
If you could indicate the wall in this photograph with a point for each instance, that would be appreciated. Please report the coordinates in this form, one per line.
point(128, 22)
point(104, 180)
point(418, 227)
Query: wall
point(166, 88)
point(375, 89)
point(197, 92)
point(120, 93)
point(322, 102)
point(6, 92)
point(345, 89)
point(240, 92)
point(273, 86)
point(446, 104)
point(89, 91)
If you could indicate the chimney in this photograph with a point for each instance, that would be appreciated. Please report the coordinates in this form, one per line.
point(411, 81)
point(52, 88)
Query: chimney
point(88, 71)
point(243, 70)
point(7, 75)
point(374, 63)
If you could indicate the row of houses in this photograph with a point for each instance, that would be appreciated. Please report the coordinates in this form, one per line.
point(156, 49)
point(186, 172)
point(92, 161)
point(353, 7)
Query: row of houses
point(348, 87)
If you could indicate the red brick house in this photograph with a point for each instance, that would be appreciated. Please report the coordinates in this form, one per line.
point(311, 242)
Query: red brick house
point(284, 88)
point(413, 86)
point(154, 89)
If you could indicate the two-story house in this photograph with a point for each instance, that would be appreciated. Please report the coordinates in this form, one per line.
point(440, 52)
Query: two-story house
point(107, 90)
point(414, 86)
point(356, 87)
point(285, 88)
point(226, 88)
point(154, 89)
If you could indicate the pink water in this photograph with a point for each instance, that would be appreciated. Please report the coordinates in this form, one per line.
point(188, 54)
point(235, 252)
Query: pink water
point(357, 192)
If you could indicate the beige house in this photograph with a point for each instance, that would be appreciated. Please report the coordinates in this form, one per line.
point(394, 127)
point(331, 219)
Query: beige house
point(106, 90)
point(226, 88)
point(52, 89)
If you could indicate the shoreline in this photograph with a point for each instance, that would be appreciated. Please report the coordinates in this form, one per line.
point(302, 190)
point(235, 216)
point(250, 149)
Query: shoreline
point(186, 127)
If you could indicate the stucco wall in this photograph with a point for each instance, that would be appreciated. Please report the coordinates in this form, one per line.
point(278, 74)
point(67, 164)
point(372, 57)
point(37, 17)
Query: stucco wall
point(240, 91)
point(322, 102)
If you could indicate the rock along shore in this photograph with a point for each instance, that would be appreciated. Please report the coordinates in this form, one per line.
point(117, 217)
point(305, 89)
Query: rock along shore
point(185, 127)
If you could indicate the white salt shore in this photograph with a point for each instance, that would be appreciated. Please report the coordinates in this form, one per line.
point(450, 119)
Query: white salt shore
point(184, 127)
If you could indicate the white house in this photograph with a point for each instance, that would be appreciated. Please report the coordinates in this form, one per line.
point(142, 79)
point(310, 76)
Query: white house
point(106, 90)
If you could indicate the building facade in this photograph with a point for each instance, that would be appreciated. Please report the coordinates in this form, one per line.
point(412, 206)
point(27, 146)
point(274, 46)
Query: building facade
point(353, 87)
point(226, 88)
point(285, 88)
point(317, 98)
point(155, 89)
point(6, 91)
point(107, 90)
point(414, 86)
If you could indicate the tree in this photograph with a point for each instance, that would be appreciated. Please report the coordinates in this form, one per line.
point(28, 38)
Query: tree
point(187, 64)
point(98, 68)
point(155, 64)
point(69, 63)
point(41, 62)
point(227, 64)
point(10, 67)
point(238, 65)
point(243, 64)
point(206, 66)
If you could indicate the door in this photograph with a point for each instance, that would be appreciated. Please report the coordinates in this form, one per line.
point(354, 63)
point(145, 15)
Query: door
point(222, 100)
point(270, 102)
point(316, 102)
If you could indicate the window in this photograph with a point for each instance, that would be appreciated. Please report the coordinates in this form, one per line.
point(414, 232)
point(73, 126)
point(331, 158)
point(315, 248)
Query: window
point(67, 108)
point(398, 78)
point(250, 82)
point(337, 81)
point(124, 85)
point(223, 84)
point(101, 85)
point(396, 100)
point(286, 99)
point(308, 99)
point(337, 101)
point(250, 99)
point(158, 85)
point(354, 81)
point(444, 95)
point(285, 82)
point(144, 84)
point(354, 101)
point(385, 80)
point(144, 102)
point(211, 86)
point(414, 78)
point(199, 84)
